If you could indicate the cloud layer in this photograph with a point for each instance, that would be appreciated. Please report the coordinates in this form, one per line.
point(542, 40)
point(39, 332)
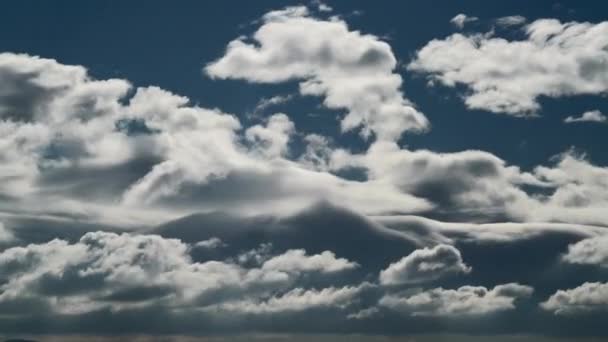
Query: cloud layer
point(130, 209)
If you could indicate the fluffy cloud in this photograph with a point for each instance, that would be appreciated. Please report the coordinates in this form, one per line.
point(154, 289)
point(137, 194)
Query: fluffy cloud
point(272, 139)
point(126, 271)
point(585, 298)
point(556, 59)
point(461, 19)
point(152, 156)
point(466, 300)
point(424, 265)
point(581, 190)
point(297, 261)
point(297, 300)
point(591, 251)
point(351, 70)
point(467, 183)
point(590, 116)
point(477, 185)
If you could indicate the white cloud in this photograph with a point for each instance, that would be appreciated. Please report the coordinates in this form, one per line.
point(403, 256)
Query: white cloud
point(477, 185)
point(590, 116)
point(268, 102)
point(424, 265)
point(296, 260)
point(591, 251)
point(322, 7)
point(271, 140)
point(461, 19)
point(97, 270)
point(5, 234)
point(467, 182)
point(512, 20)
point(585, 298)
point(433, 231)
point(351, 70)
point(556, 59)
point(297, 299)
point(581, 190)
point(212, 243)
point(466, 300)
point(89, 149)
point(364, 313)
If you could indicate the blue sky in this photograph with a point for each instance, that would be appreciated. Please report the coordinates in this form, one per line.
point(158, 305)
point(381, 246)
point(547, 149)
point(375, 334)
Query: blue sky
point(391, 169)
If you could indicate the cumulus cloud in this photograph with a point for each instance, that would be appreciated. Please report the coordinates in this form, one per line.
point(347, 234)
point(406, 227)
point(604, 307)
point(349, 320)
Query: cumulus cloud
point(581, 190)
point(479, 186)
point(464, 183)
point(76, 151)
point(588, 297)
point(353, 71)
point(590, 116)
point(461, 19)
point(424, 265)
point(272, 139)
point(152, 156)
point(591, 251)
point(126, 271)
point(508, 76)
point(297, 261)
point(466, 300)
point(297, 300)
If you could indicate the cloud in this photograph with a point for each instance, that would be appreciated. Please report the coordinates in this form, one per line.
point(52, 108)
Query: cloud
point(245, 216)
point(353, 71)
point(126, 271)
point(211, 243)
point(322, 7)
point(580, 192)
point(428, 231)
point(272, 139)
point(152, 156)
point(268, 102)
point(364, 314)
point(590, 116)
point(512, 20)
point(508, 76)
point(588, 297)
point(297, 261)
point(5, 234)
point(465, 184)
point(297, 300)
point(478, 186)
point(466, 300)
point(424, 265)
point(461, 19)
point(591, 251)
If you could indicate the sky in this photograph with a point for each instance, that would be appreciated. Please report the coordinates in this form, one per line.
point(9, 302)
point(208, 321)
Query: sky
point(284, 170)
